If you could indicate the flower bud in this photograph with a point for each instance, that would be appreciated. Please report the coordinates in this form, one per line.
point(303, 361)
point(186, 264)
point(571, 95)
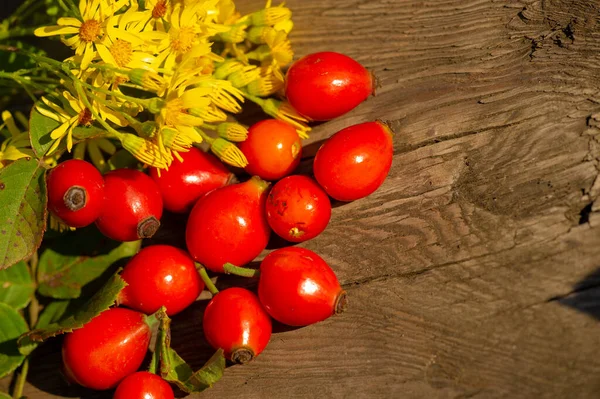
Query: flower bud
point(228, 153)
point(232, 131)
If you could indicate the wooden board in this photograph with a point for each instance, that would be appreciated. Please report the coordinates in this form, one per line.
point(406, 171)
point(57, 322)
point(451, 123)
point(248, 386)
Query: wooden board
point(474, 271)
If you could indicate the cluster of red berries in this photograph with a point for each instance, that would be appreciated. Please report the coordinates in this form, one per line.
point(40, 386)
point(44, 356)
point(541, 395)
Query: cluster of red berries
point(229, 225)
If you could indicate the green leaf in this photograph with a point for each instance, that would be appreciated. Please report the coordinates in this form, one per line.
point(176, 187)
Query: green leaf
point(22, 210)
point(52, 313)
point(16, 286)
point(41, 126)
point(11, 327)
point(78, 258)
point(175, 370)
point(100, 302)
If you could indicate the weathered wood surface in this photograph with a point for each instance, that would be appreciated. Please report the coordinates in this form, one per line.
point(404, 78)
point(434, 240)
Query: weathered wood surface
point(473, 271)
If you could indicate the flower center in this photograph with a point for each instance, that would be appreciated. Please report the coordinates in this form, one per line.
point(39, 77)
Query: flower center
point(90, 30)
point(85, 117)
point(159, 10)
point(121, 52)
point(182, 39)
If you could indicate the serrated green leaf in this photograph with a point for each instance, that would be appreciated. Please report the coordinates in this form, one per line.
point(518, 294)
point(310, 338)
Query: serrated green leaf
point(16, 286)
point(41, 126)
point(78, 258)
point(175, 370)
point(100, 302)
point(22, 210)
point(11, 327)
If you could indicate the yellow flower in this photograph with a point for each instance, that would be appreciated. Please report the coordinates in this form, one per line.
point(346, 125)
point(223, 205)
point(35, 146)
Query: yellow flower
point(17, 146)
point(69, 117)
point(85, 35)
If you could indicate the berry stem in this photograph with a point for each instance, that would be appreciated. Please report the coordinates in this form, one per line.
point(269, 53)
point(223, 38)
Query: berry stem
point(20, 384)
point(207, 281)
point(230, 268)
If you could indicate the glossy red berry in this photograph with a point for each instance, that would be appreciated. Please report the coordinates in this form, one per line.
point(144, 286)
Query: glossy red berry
point(132, 207)
point(184, 182)
point(273, 149)
point(355, 161)
point(298, 288)
point(229, 224)
point(144, 385)
point(107, 349)
point(235, 321)
point(160, 275)
point(323, 86)
point(297, 208)
point(75, 192)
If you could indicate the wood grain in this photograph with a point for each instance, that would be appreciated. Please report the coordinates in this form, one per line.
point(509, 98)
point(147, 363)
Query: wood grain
point(472, 272)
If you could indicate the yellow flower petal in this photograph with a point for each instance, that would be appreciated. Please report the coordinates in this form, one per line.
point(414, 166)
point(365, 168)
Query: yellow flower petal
point(68, 21)
point(55, 30)
point(106, 55)
point(61, 130)
point(88, 55)
point(10, 123)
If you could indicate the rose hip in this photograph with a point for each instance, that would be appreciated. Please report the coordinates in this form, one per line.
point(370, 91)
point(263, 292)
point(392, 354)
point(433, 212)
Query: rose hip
point(144, 385)
point(355, 161)
point(132, 207)
point(298, 288)
point(75, 192)
point(184, 182)
point(323, 86)
point(297, 208)
point(160, 275)
point(235, 321)
point(107, 349)
point(229, 224)
point(273, 149)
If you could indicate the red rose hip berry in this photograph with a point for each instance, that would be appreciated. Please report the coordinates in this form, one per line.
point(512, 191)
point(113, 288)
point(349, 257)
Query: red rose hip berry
point(355, 161)
point(298, 288)
point(273, 149)
point(75, 192)
point(107, 349)
point(297, 208)
point(235, 321)
point(229, 224)
point(160, 275)
point(132, 207)
point(323, 86)
point(144, 385)
point(184, 182)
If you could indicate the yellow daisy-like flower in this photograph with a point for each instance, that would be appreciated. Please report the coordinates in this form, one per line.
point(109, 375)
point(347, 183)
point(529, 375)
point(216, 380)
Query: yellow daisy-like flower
point(17, 146)
point(85, 34)
point(73, 115)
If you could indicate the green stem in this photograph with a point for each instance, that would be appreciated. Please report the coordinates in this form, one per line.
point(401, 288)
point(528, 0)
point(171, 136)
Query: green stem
point(18, 392)
point(205, 136)
point(140, 101)
point(34, 305)
point(230, 268)
point(16, 32)
point(207, 281)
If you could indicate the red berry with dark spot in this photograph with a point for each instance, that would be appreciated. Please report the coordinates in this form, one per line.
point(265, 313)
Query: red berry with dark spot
point(355, 161)
point(297, 208)
point(229, 224)
point(235, 321)
point(132, 207)
point(75, 192)
point(273, 149)
point(144, 385)
point(160, 275)
point(107, 349)
point(298, 288)
point(323, 86)
point(184, 182)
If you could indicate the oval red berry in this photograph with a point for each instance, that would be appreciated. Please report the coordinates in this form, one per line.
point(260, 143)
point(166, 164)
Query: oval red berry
point(323, 86)
point(355, 161)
